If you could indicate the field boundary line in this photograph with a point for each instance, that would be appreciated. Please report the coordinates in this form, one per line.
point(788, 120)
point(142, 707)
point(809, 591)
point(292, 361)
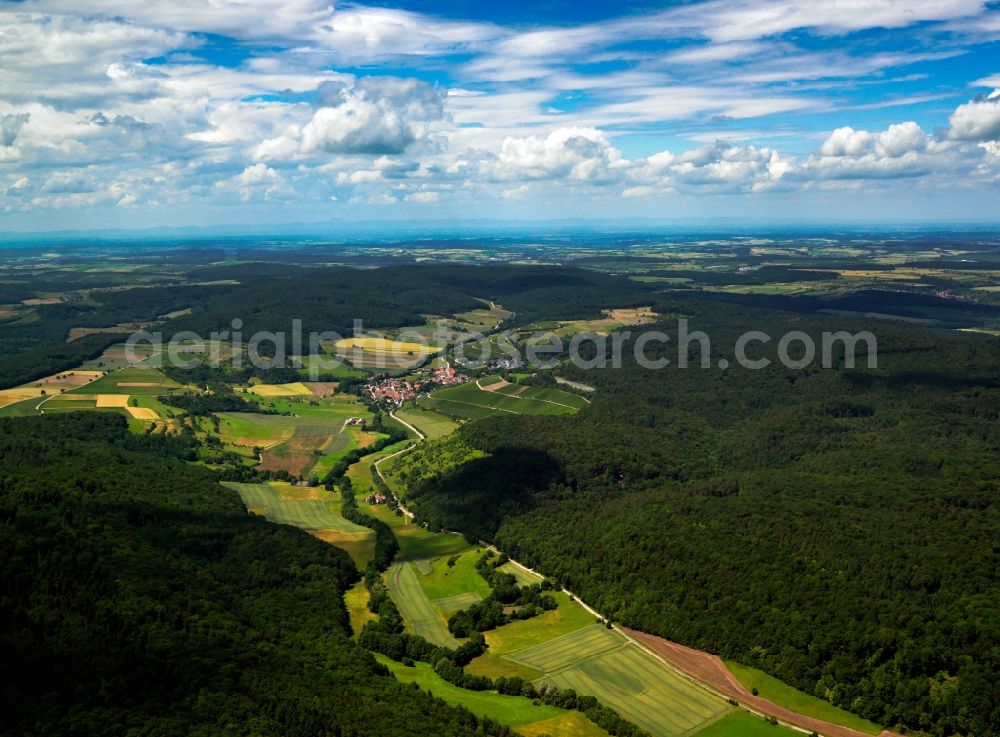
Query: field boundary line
point(481, 406)
point(513, 396)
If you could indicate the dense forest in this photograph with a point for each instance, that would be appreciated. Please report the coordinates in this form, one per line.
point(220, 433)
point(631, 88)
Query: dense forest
point(836, 528)
point(140, 598)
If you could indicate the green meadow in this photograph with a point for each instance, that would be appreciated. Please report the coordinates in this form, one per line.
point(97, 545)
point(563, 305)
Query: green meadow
point(432, 424)
point(518, 712)
point(739, 723)
point(782, 694)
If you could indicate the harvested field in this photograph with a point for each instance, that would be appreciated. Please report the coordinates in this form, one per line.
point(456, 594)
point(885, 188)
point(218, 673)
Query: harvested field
point(711, 670)
point(494, 387)
point(142, 413)
point(112, 400)
point(297, 388)
point(19, 394)
point(321, 388)
point(382, 352)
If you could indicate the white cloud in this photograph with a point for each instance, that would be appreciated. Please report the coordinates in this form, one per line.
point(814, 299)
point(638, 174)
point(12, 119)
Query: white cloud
point(259, 180)
point(582, 154)
point(846, 142)
point(378, 115)
point(727, 166)
point(978, 120)
point(901, 138)
point(726, 20)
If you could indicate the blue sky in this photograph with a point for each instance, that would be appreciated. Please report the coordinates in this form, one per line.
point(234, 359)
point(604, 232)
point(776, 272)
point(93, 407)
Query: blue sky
point(124, 114)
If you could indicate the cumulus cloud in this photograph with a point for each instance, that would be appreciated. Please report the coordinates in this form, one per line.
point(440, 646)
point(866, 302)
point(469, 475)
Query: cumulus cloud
point(901, 151)
point(259, 180)
point(582, 154)
point(377, 115)
point(10, 126)
point(978, 120)
point(846, 142)
point(900, 139)
point(729, 166)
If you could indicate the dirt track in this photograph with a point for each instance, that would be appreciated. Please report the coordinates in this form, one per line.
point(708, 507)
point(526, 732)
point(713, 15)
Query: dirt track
point(710, 669)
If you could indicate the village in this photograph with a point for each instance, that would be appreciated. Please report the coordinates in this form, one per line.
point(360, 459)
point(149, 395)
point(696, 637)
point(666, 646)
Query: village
point(394, 391)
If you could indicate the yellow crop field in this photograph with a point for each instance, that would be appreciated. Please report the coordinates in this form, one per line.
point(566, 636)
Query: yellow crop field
point(281, 390)
point(112, 400)
point(381, 345)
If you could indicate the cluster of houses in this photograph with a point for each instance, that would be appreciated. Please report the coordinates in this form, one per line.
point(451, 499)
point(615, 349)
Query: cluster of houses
point(395, 391)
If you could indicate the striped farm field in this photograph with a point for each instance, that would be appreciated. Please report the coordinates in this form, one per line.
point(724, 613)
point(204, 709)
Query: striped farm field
point(562, 652)
point(644, 691)
point(451, 604)
point(507, 399)
point(307, 514)
point(459, 409)
point(418, 612)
